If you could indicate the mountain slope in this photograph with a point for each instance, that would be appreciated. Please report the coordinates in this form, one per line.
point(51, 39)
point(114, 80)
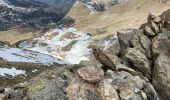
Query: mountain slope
point(126, 14)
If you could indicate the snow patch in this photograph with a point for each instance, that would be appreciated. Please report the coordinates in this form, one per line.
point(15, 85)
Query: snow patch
point(11, 71)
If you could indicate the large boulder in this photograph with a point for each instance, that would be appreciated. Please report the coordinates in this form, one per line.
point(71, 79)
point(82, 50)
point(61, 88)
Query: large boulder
point(161, 79)
point(50, 85)
point(139, 61)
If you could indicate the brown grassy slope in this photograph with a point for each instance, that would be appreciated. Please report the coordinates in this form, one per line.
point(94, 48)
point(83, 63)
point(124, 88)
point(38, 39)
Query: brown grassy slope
point(130, 14)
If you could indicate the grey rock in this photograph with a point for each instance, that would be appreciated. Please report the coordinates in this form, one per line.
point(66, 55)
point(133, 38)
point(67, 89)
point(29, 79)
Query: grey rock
point(139, 60)
point(161, 45)
point(161, 77)
point(154, 27)
point(149, 31)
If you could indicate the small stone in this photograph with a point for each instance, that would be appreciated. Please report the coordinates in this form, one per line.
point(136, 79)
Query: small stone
point(91, 74)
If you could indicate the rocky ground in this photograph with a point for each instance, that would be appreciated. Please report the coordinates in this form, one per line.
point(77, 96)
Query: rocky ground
point(131, 64)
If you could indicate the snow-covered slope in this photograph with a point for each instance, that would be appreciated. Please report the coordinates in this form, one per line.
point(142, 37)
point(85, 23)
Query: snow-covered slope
point(68, 44)
point(20, 55)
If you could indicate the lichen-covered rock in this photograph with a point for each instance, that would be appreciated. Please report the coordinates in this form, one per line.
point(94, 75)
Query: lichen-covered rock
point(90, 74)
point(104, 59)
point(139, 60)
point(50, 84)
point(106, 90)
point(80, 90)
point(161, 79)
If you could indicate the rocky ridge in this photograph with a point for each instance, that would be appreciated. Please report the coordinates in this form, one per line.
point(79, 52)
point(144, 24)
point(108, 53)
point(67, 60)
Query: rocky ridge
point(133, 64)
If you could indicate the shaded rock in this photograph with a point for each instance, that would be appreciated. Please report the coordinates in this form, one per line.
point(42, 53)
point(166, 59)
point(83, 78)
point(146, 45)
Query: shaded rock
point(80, 90)
point(106, 90)
point(17, 94)
point(3, 97)
point(2, 89)
point(4, 43)
point(103, 59)
point(165, 15)
point(150, 91)
point(149, 31)
point(161, 79)
point(125, 37)
point(90, 74)
point(139, 61)
point(161, 45)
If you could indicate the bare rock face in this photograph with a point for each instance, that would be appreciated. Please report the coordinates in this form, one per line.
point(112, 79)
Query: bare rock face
point(139, 60)
point(161, 77)
point(80, 90)
point(90, 74)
